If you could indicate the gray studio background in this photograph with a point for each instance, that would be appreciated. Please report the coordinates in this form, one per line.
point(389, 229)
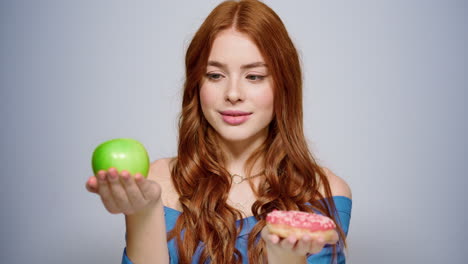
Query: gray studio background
point(385, 109)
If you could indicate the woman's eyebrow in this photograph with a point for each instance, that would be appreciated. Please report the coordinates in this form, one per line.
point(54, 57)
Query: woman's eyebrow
point(254, 65)
point(245, 66)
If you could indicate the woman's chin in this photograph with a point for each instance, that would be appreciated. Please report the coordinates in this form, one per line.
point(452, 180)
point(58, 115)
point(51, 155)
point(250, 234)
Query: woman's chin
point(239, 138)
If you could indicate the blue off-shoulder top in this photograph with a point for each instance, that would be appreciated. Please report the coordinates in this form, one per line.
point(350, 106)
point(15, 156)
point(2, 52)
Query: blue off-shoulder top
point(343, 206)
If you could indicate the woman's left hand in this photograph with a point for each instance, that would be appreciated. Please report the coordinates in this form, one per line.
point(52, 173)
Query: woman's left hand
point(292, 249)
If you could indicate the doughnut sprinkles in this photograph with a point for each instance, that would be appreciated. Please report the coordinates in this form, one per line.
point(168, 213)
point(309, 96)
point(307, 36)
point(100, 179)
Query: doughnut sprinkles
point(299, 224)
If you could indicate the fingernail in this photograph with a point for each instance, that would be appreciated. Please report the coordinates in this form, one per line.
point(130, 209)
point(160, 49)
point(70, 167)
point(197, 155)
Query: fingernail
point(125, 176)
point(138, 177)
point(292, 239)
point(274, 239)
point(102, 176)
point(113, 176)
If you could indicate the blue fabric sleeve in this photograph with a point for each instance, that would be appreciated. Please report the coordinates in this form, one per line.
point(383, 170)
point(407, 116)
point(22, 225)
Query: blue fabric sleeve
point(125, 259)
point(343, 206)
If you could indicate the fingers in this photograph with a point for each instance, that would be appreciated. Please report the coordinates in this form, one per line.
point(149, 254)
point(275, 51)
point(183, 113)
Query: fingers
point(134, 194)
point(289, 243)
point(334, 239)
point(316, 246)
point(311, 245)
point(118, 192)
point(274, 239)
point(123, 193)
point(150, 190)
point(303, 246)
point(285, 244)
point(300, 247)
point(92, 184)
point(106, 193)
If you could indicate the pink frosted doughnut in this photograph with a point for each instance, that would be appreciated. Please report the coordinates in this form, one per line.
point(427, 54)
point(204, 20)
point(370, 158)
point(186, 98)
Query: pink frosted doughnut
point(297, 223)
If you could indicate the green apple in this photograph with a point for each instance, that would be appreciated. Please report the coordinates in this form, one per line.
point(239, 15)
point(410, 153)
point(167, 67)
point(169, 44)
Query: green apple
point(122, 154)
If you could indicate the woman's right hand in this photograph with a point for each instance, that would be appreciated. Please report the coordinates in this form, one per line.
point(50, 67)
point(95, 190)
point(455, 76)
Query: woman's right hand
point(124, 193)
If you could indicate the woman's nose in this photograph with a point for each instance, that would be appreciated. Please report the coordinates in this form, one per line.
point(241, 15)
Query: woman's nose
point(234, 92)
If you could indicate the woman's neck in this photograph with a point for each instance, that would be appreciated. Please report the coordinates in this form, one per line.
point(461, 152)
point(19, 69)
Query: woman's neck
point(237, 153)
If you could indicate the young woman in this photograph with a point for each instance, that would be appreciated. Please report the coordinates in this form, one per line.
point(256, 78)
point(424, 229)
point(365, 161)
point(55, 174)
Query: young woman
point(241, 154)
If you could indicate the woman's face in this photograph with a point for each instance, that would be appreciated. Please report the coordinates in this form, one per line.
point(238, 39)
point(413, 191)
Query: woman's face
point(236, 93)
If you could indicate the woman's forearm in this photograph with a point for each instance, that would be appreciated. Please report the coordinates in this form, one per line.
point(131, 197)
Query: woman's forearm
point(146, 236)
point(275, 257)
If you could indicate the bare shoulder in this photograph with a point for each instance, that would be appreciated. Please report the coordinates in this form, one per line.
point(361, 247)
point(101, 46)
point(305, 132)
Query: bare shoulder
point(160, 172)
point(338, 186)
point(160, 169)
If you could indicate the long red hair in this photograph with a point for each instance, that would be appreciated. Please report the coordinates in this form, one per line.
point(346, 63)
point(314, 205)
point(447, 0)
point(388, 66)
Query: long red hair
point(200, 178)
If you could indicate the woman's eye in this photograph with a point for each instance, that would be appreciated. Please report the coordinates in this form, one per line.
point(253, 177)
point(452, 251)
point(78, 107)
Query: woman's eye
point(255, 77)
point(214, 76)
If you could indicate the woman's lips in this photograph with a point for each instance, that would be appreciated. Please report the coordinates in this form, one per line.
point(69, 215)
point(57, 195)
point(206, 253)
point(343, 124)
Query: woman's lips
point(235, 117)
